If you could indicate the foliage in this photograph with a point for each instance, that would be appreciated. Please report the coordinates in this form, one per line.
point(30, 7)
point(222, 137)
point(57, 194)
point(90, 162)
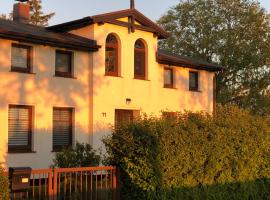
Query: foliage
point(37, 17)
point(83, 155)
point(4, 186)
point(194, 156)
point(233, 33)
point(7, 17)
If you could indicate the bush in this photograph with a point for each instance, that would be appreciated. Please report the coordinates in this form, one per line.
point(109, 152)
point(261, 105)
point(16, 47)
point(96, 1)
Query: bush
point(4, 186)
point(83, 155)
point(194, 156)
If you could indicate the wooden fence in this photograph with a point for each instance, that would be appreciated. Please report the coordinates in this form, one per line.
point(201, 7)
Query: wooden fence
point(88, 183)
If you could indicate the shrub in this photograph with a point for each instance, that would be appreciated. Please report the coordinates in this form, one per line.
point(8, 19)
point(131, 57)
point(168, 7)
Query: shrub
point(83, 155)
point(194, 156)
point(4, 186)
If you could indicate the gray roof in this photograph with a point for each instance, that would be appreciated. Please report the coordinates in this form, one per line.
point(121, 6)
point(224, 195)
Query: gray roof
point(40, 35)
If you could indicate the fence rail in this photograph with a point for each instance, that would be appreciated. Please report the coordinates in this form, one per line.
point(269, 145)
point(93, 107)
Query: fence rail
point(94, 183)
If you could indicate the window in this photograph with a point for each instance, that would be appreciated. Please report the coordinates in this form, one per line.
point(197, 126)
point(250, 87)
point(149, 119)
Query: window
point(169, 115)
point(63, 63)
point(168, 77)
point(63, 124)
point(20, 58)
point(20, 128)
point(193, 81)
point(123, 117)
point(139, 60)
point(111, 59)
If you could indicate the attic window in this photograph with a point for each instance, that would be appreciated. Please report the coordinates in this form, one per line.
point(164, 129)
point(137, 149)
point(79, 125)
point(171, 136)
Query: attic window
point(111, 57)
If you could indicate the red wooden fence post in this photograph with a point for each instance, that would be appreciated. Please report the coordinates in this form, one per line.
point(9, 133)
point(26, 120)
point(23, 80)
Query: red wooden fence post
point(55, 178)
point(50, 186)
point(115, 185)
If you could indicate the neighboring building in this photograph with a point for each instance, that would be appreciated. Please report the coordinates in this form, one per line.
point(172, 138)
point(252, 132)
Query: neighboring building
point(76, 81)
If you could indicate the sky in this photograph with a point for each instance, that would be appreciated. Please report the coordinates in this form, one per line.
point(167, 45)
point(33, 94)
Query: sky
point(67, 10)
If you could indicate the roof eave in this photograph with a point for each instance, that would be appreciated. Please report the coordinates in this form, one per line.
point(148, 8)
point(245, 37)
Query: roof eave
point(72, 25)
point(48, 42)
point(105, 18)
point(173, 62)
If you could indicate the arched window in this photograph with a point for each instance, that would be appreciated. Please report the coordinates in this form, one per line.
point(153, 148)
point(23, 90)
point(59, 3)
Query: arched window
point(139, 60)
point(111, 60)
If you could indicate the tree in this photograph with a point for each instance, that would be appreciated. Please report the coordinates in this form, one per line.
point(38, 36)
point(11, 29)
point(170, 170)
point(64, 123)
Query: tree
point(233, 33)
point(37, 17)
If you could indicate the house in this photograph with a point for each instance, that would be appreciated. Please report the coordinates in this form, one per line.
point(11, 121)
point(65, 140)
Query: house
point(77, 80)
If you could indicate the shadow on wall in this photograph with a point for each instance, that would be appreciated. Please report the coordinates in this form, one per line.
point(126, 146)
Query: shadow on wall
point(43, 91)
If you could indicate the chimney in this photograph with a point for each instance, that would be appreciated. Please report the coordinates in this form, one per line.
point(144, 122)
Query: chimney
point(132, 4)
point(21, 11)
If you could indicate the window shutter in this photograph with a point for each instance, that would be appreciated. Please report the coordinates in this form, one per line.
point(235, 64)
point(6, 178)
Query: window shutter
point(62, 127)
point(19, 127)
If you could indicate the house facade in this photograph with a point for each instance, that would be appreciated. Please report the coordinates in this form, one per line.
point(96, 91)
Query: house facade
point(77, 80)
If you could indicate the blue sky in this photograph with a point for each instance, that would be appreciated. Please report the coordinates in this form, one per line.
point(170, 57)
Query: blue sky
point(67, 10)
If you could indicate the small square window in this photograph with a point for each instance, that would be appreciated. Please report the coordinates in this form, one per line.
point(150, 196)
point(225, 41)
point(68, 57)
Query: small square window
point(20, 58)
point(168, 77)
point(63, 63)
point(169, 115)
point(193, 81)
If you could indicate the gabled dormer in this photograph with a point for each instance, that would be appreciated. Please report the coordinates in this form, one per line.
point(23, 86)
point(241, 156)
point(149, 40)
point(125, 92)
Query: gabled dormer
point(131, 18)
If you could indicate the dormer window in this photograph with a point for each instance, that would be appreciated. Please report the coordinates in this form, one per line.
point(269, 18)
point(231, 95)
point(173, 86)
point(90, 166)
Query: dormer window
point(139, 60)
point(111, 57)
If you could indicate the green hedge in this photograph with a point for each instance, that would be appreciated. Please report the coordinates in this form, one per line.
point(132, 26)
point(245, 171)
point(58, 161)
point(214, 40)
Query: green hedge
point(194, 156)
point(82, 155)
point(4, 186)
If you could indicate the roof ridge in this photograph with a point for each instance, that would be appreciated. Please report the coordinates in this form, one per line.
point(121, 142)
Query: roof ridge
point(110, 17)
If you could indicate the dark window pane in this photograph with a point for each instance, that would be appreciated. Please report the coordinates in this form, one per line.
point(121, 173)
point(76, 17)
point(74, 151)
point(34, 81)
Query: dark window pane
point(139, 45)
point(19, 127)
point(169, 115)
point(20, 58)
point(62, 127)
point(193, 81)
point(123, 117)
point(63, 63)
point(139, 64)
point(168, 77)
point(111, 39)
point(139, 60)
point(110, 59)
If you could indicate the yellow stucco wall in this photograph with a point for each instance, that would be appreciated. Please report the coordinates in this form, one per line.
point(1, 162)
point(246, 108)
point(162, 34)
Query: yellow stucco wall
point(93, 95)
point(148, 96)
point(43, 91)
